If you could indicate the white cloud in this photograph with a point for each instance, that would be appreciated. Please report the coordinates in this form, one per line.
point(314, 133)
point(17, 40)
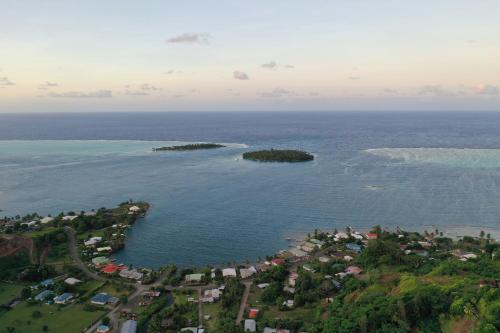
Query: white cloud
point(80, 94)
point(289, 66)
point(278, 93)
point(238, 75)
point(269, 65)
point(190, 38)
point(47, 85)
point(354, 78)
point(486, 89)
point(434, 90)
point(4, 81)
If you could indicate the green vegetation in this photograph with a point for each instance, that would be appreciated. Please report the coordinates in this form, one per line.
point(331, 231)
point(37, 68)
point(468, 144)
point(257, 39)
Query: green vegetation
point(193, 146)
point(22, 318)
point(9, 291)
point(275, 155)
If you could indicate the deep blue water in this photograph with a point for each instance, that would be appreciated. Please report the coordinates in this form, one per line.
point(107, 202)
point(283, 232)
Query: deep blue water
point(213, 207)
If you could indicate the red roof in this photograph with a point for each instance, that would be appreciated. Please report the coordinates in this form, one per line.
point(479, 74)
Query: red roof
point(278, 261)
point(371, 235)
point(253, 313)
point(111, 268)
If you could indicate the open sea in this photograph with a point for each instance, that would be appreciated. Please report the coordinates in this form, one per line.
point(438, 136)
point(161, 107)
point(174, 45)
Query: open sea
point(407, 169)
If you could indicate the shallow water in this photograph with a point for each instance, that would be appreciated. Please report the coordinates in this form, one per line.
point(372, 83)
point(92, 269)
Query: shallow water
point(393, 169)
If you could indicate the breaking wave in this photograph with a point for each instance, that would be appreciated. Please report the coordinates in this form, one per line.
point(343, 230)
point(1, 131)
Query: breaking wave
point(456, 157)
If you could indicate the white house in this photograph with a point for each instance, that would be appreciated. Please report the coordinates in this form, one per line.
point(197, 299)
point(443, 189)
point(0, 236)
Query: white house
point(229, 272)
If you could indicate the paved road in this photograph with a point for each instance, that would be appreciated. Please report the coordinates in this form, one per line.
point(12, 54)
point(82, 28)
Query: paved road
point(244, 300)
point(73, 250)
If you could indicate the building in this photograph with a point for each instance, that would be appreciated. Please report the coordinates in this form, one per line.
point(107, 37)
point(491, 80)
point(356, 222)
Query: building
point(353, 247)
point(354, 270)
point(99, 261)
point(250, 325)
point(69, 217)
point(64, 298)
point(103, 329)
point(104, 249)
point(93, 241)
point(47, 283)
point(100, 299)
point(130, 326)
point(252, 314)
point(247, 272)
point(44, 295)
point(134, 209)
point(263, 285)
point(193, 278)
point(215, 294)
point(132, 274)
point(296, 252)
point(292, 278)
point(277, 261)
point(72, 281)
point(229, 272)
point(371, 236)
point(112, 268)
point(324, 259)
point(46, 220)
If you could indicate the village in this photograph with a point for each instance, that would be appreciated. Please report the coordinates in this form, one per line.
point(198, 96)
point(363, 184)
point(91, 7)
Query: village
point(285, 293)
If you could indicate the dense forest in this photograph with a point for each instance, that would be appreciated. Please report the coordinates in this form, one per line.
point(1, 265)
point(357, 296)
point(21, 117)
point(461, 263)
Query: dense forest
point(194, 146)
point(275, 155)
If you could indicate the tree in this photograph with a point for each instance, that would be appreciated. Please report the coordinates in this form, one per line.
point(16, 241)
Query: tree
point(105, 321)
point(124, 299)
point(45, 328)
point(26, 293)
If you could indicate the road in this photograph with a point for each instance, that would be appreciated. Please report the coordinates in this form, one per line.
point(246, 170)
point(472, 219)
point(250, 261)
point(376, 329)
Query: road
point(73, 250)
point(244, 300)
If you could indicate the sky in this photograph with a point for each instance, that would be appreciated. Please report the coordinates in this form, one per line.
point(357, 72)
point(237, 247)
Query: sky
point(226, 55)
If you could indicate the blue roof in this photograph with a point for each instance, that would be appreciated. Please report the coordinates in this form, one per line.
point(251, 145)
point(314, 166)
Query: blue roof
point(43, 295)
point(102, 328)
point(100, 298)
point(130, 326)
point(64, 297)
point(353, 247)
point(47, 282)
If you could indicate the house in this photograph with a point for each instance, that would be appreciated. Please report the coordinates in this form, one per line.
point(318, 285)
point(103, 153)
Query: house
point(247, 272)
point(341, 275)
point(336, 284)
point(69, 217)
point(99, 261)
point(215, 294)
point(72, 281)
point(252, 314)
point(317, 242)
point(44, 295)
point(277, 261)
point(101, 299)
point(296, 252)
point(353, 247)
point(324, 259)
point(132, 274)
point(292, 278)
point(193, 330)
point(93, 241)
point(263, 285)
point(104, 249)
point(250, 325)
point(269, 330)
point(134, 209)
point(151, 294)
point(30, 224)
point(46, 220)
point(193, 278)
point(47, 283)
point(290, 290)
point(354, 270)
point(348, 258)
point(112, 268)
point(308, 268)
point(289, 303)
point(371, 236)
point(103, 329)
point(229, 272)
point(64, 298)
point(130, 326)
point(307, 247)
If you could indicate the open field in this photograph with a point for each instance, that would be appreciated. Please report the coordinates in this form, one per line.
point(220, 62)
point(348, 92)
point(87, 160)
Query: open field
point(9, 291)
point(68, 319)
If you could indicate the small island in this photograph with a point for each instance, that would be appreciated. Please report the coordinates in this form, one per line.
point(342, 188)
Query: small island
point(278, 155)
point(192, 146)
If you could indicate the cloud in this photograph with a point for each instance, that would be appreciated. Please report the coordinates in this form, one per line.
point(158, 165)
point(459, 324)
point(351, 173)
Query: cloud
point(486, 89)
point(238, 75)
point(190, 38)
point(46, 85)
point(169, 72)
point(135, 93)
point(278, 93)
point(391, 91)
point(148, 87)
point(80, 94)
point(289, 66)
point(269, 65)
point(4, 81)
point(434, 90)
point(352, 77)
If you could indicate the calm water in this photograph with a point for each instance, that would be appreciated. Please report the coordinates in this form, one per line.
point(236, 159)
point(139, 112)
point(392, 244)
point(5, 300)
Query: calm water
point(394, 169)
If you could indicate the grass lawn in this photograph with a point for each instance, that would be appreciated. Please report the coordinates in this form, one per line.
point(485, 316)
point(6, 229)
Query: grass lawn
point(9, 291)
point(69, 319)
point(115, 290)
point(40, 232)
point(181, 298)
point(89, 288)
point(213, 310)
point(94, 233)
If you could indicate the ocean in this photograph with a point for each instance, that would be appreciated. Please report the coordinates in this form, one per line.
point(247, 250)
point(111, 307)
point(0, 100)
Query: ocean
point(408, 169)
